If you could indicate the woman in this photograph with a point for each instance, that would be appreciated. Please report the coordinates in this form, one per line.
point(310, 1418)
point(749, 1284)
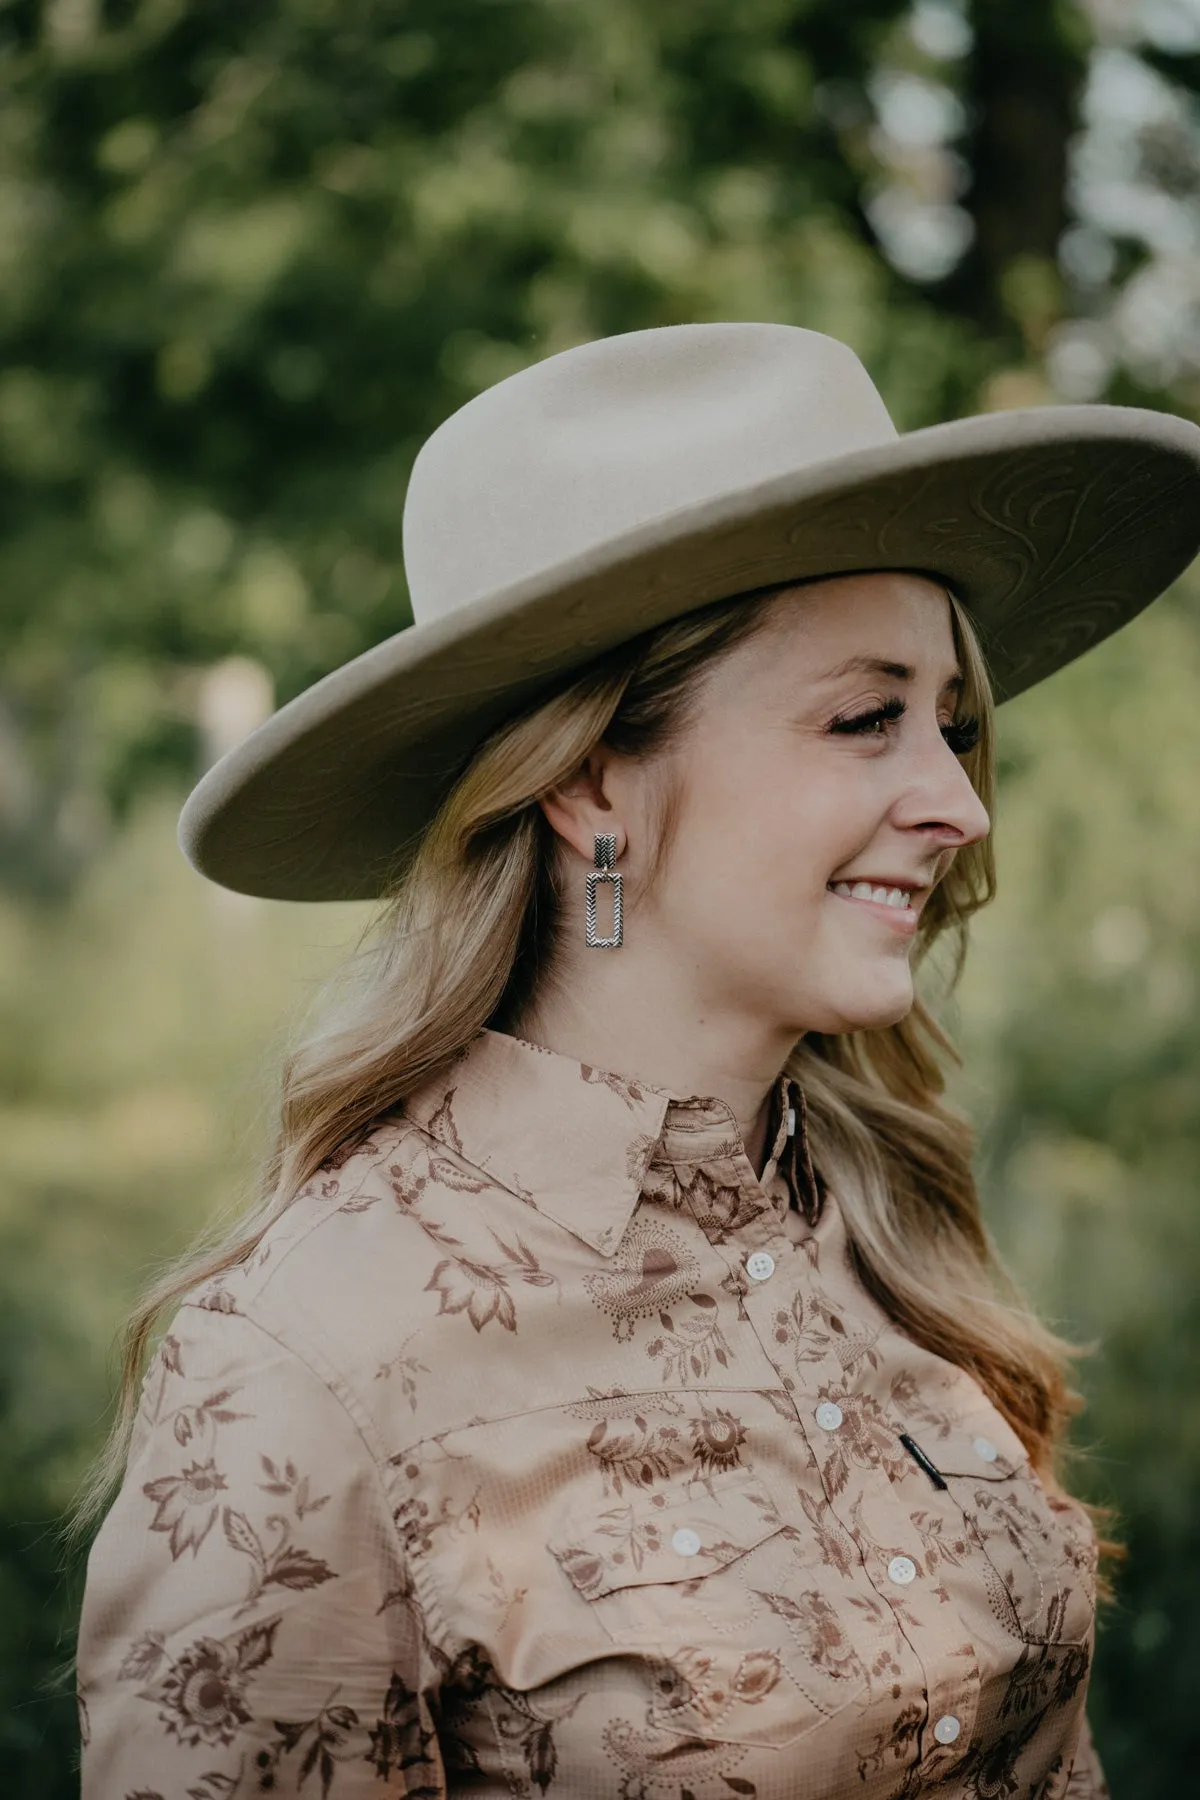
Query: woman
point(615, 1391)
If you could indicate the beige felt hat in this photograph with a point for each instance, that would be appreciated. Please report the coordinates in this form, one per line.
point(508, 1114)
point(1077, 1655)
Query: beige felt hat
point(619, 484)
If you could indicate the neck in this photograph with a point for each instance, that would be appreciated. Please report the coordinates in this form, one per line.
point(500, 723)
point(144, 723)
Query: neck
point(634, 1015)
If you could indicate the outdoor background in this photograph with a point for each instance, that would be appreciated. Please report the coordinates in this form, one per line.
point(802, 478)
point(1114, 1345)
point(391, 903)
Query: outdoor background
point(251, 253)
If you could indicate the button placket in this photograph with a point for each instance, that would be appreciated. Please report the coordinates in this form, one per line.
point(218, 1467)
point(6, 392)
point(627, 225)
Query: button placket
point(949, 1725)
point(918, 1616)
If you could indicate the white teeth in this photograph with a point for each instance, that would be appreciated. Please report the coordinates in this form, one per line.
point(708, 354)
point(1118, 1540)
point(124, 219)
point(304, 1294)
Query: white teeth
point(864, 890)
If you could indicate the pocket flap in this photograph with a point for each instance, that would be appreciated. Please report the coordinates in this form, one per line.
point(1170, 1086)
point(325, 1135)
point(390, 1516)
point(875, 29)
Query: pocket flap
point(986, 1448)
point(666, 1536)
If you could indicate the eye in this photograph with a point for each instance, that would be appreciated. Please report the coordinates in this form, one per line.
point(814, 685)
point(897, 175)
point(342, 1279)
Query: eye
point(873, 723)
point(961, 735)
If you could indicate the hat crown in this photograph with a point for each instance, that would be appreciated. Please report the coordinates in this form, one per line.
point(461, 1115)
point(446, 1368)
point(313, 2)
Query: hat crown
point(602, 441)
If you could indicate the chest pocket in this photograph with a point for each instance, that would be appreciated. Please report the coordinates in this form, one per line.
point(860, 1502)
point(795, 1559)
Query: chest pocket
point(680, 1578)
point(1040, 1551)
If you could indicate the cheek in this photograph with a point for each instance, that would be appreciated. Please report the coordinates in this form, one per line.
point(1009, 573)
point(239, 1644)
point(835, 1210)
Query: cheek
point(764, 838)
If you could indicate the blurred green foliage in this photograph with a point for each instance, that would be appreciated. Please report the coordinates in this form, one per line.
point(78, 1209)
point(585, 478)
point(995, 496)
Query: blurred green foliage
point(249, 257)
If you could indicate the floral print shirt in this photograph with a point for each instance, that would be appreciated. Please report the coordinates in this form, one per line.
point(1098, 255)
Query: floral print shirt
point(541, 1447)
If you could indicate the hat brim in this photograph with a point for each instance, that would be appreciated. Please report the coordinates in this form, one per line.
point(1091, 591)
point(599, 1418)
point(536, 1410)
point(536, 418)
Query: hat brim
point(1054, 526)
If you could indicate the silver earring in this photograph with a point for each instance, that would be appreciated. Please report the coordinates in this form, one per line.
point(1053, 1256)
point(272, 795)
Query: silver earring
point(606, 850)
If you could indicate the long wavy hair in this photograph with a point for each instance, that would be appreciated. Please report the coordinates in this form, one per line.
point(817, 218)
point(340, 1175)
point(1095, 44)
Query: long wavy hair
point(469, 931)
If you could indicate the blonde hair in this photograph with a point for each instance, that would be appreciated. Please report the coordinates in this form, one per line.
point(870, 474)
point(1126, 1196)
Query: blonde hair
point(462, 942)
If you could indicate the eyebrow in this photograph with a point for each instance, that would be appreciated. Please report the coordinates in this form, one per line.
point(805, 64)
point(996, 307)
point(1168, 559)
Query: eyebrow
point(878, 665)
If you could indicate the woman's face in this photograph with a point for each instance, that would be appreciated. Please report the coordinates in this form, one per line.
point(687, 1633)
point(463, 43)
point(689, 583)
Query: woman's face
point(817, 761)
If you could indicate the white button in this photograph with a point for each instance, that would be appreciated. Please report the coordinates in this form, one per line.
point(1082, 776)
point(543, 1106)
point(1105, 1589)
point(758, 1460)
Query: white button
point(984, 1447)
point(760, 1265)
point(946, 1729)
point(685, 1542)
point(791, 1121)
point(829, 1415)
point(902, 1569)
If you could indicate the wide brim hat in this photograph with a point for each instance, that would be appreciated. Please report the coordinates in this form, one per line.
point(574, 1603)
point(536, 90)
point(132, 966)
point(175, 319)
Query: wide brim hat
point(617, 485)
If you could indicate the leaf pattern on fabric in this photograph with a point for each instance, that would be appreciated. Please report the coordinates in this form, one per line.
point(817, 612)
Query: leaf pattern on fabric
point(815, 1624)
point(631, 1092)
point(690, 1345)
point(830, 1537)
point(638, 1457)
point(286, 1565)
point(892, 1745)
point(407, 1367)
point(375, 1538)
point(317, 1746)
point(401, 1743)
point(186, 1506)
point(470, 1688)
point(721, 1207)
point(867, 1439)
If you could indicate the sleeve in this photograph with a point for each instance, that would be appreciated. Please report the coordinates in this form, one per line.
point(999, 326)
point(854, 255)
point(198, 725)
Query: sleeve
point(1086, 1780)
point(247, 1624)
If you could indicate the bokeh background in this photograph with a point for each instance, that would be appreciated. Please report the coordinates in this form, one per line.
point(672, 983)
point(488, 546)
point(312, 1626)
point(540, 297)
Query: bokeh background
point(250, 255)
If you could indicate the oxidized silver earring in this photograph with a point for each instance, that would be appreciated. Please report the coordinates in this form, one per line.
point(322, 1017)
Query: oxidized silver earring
point(606, 850)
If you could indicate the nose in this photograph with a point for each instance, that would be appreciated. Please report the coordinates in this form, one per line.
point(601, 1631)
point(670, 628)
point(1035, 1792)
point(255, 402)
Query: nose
point(940, 802)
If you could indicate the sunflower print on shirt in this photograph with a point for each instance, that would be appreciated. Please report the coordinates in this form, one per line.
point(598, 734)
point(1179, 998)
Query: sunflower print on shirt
point(494, 1469)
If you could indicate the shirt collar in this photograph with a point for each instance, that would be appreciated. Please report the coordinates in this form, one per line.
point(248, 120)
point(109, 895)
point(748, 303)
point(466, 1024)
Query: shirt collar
point(575, 1141)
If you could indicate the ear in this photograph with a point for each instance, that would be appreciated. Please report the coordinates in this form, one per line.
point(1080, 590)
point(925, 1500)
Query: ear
point(582, 806)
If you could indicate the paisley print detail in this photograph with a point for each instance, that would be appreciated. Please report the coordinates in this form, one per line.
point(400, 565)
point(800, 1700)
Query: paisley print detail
point(658, 1765)
point(653, 1268)
point(697, 1686)
point(450, 1171)
point(491, 1472)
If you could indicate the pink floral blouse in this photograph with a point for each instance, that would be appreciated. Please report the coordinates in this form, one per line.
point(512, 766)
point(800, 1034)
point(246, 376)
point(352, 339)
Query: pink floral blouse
point(543, 1448)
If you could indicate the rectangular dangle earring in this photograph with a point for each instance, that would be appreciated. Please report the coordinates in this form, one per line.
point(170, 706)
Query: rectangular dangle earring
point(606, 850)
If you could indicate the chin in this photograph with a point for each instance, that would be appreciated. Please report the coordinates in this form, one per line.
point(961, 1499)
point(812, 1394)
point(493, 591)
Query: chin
point(866, 1012)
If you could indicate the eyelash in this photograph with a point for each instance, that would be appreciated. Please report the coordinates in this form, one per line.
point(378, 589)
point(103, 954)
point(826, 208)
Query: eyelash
point(961, 735)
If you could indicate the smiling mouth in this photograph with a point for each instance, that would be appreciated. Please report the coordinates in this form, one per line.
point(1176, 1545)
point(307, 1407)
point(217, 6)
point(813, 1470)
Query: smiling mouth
point(899, 898)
